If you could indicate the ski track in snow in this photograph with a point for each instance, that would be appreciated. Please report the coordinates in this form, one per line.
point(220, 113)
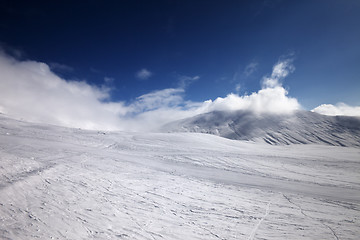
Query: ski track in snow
point(253, 232)
point(59, 183)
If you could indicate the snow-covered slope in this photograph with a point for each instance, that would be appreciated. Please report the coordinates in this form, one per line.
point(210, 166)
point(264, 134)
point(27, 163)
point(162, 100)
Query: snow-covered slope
point(61, 183)
point(300, 127)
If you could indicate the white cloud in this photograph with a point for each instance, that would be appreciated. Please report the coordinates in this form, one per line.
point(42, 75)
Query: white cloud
point(272, 98)
point(237, 87)
point(143, 74)
point(269, 100)
point(338, 109)
point(60, 67)
point(250, 69)
point(280, 70)
point(31, 91)
point(108, 80)
point(166, 98)
point(185, 81)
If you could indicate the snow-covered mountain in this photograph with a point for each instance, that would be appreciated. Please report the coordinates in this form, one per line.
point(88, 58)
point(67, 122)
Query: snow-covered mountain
point(300, 127)
point(63, 183)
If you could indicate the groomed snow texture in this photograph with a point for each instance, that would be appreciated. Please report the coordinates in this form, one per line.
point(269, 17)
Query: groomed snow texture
point(62, 183)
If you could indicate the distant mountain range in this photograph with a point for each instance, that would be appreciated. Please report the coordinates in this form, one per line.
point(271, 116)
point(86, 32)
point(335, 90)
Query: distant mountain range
point(301, 127)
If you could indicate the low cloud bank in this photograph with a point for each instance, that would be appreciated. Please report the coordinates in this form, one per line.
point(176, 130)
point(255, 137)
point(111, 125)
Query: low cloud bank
point(338, 109)
point(31, 91)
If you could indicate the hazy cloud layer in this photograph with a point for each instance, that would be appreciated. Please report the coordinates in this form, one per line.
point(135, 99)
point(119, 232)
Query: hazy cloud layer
point(338, 109)
point(31, 91)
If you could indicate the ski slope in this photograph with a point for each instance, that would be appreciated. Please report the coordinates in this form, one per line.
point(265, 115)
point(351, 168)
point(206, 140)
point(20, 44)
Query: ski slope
point(62, 183)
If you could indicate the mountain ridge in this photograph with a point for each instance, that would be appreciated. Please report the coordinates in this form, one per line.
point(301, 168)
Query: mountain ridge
point(300, 127)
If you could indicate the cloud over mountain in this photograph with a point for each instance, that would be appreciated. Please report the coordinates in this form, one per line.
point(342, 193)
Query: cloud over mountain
point(272, 98)
point(31, 91)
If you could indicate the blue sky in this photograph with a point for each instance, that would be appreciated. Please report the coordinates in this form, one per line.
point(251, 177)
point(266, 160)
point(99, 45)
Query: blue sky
point(207, 48)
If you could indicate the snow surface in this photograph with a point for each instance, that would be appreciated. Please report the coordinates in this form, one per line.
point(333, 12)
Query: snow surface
point(61, 183)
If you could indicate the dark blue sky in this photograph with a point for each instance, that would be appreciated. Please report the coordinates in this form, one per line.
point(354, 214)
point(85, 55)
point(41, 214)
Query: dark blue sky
point(215, 40)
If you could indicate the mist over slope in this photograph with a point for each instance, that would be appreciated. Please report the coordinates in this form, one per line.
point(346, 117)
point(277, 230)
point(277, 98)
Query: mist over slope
point(301, 127)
